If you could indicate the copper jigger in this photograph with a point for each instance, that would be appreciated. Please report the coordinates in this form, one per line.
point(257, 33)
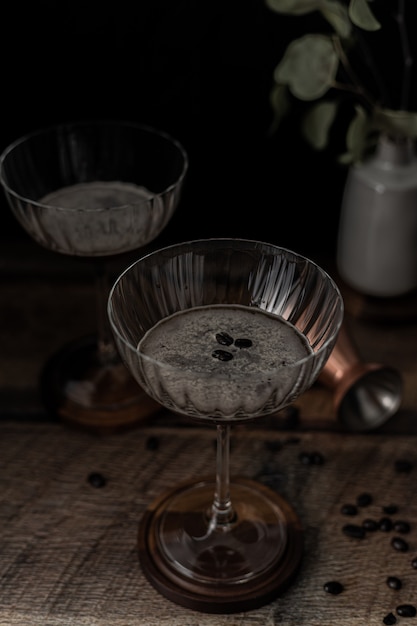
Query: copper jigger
point(365, 395)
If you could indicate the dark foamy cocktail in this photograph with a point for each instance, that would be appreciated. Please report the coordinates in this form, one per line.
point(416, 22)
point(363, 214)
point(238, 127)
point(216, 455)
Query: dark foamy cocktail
point(222, 361)
point(99, 217)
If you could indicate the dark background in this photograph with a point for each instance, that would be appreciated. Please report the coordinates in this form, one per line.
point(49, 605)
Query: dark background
point(201, 71)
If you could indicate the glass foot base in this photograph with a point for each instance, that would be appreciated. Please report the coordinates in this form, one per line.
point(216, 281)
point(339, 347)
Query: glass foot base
point(236, 567)
point(76, 388)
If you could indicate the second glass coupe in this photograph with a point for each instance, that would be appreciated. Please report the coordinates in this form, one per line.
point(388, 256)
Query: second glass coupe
point(94, 190)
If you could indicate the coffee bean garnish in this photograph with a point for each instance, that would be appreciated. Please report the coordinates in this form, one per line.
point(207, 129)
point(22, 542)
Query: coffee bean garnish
point(334, 587)
point(394, 583)
point(370, 524)
point(385, 524)
point(353, 530)
point(403, 466)
point(364, 499)
point(399, 544)
point(152, 443)
point(406, 610)
point(243, 343)
point(414, 563)
point(222, 355)
point(96, 480)
point(224, 339)
point(401, 526)
point(349, 509)
point(390, 619)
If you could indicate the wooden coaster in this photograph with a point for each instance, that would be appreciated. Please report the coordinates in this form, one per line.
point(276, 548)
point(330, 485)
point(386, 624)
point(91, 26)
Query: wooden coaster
point(221, 597)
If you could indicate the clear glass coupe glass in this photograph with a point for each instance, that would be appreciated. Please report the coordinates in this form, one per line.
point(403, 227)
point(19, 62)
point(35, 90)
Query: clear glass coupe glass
point(223, 331)
point(94, 189)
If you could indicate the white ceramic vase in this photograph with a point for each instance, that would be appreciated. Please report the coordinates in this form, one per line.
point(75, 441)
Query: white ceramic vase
point(377, 239)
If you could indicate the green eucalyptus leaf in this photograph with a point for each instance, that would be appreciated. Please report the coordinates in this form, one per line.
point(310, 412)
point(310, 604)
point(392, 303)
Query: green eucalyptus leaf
point(362, 16)
point(309, 67)
point(333, 11)
point(280, 104)
point(317, 123)
point(356, 137)
point(294, 7)
point(337, 16)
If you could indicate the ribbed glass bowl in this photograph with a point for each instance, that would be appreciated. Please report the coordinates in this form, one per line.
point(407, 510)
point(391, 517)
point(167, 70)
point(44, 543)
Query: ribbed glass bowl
point(215, 272)
point(137, 173)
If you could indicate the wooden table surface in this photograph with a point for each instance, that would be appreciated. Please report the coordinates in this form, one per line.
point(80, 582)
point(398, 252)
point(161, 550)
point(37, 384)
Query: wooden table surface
point(69, 553)
point(68, 550)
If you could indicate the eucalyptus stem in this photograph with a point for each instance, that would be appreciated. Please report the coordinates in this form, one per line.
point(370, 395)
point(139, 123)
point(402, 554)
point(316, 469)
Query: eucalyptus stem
point(356, 86)
point(407, 56)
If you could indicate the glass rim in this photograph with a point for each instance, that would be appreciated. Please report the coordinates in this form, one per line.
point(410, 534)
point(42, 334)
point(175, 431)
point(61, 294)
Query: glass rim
point(152, 130)
point(297, 256)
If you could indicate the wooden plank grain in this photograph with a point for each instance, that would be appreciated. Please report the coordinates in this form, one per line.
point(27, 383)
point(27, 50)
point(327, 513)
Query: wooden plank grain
point(68, 550)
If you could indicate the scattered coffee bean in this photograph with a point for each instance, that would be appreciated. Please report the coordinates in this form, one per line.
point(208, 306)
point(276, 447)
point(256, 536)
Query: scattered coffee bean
point(393, 582)
point(390, 619)
point(401, 526)
point(311, 458)
point(243, 343)
point(399, 544)
point(414, 563)
point(224, 339)
point(370, 524)
point(317, 458)
point(385, 524)
point(406, 610)
point(334, 587)
point(152, 443)
point(96, 479)
point(403, 465)
point(391, 509)
point(304, 457)
point(353, 530)
point(364, 499)
point(349, 509)
point(222, 355)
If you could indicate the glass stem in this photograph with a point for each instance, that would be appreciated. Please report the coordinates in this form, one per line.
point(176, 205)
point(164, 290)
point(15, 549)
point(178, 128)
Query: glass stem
point(222, 513)
point(105, 345)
